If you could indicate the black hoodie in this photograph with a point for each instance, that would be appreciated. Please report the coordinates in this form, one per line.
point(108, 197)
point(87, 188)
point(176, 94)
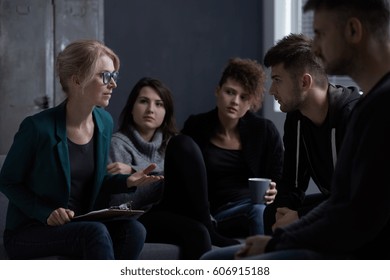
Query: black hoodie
point(311, 151)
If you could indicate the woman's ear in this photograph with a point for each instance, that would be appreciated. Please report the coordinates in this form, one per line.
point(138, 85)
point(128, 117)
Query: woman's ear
point(217, 89)
point(75, 80)
point(353, 30)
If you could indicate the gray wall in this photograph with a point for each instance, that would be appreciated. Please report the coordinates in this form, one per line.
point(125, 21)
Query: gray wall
point(31, 35)
point(26, 63)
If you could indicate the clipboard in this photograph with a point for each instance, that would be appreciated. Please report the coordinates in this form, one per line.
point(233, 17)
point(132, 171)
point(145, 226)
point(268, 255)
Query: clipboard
point(123, 210)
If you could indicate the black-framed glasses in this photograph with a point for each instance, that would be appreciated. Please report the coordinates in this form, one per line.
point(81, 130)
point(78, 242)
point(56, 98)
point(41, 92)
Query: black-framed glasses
point(107, 76)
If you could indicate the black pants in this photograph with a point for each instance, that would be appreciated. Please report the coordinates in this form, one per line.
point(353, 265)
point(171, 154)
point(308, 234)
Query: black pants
point(183, 216)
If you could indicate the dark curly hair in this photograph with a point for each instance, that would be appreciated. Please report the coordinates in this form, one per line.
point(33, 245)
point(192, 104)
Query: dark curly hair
point(250, 74)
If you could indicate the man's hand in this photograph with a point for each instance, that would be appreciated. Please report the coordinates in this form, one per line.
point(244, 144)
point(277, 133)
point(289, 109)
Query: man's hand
point(118, 168)
point(254, 245)
point(270, 193)
point(59, 217)
point(141, 178)
point(284, 216)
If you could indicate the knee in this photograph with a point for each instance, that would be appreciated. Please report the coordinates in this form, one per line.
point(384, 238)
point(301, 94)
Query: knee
point(258, 209)
point(182, 143)
point(197, 229)
point(180, 139)
point(96, 238)
point(135, 229)
point(97, 230)
point(201, 231)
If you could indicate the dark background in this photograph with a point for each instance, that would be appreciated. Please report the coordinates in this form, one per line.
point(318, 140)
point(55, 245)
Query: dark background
point(185, 44)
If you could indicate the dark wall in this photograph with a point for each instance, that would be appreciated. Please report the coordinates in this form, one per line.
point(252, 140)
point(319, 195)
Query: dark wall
point(186, 44)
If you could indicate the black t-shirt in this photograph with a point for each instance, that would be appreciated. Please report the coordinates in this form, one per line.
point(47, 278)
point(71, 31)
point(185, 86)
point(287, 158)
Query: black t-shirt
point(227, 176)
point(82, 168)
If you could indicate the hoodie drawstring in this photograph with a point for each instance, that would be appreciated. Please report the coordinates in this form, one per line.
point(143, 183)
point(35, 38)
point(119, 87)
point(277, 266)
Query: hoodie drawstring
point(334, 151)
point(297, 155)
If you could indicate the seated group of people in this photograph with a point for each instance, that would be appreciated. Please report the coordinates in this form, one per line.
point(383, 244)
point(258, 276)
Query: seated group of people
point(193, 183)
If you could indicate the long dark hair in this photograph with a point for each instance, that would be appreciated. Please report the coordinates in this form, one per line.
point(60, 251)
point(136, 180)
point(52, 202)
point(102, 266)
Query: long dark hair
point(168, 126)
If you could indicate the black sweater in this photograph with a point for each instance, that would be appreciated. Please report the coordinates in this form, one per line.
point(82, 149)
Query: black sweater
point(261, 142)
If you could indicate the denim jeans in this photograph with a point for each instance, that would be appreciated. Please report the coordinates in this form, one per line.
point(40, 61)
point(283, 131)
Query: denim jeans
point(242, 209)
point(111, 239)
point(228, 253)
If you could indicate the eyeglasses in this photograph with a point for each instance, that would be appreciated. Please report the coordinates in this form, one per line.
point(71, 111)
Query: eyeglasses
point(107, 76)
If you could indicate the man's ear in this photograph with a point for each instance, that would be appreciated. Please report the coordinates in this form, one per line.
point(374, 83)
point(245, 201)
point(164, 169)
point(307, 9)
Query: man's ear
point(353, 30)
point(306, 81)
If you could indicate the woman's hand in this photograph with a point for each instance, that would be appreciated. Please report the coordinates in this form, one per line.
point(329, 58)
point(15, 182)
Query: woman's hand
point(119, 168)
point(59, 217)
point(271, 193)
point(141, 178)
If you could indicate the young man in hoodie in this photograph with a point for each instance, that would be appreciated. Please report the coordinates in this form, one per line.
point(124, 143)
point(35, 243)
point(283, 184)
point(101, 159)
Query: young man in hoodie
point(352, 37)
point(316, 120)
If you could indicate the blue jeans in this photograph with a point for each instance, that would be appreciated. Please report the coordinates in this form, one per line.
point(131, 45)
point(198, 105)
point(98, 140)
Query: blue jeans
point(111, 239)
point(228, 253)
point(241, 210)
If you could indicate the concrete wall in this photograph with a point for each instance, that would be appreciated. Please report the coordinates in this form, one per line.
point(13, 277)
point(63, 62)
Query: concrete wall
point(31, 34)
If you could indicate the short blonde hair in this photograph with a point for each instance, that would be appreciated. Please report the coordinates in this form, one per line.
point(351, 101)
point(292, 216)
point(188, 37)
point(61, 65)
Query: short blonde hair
point(80, 58)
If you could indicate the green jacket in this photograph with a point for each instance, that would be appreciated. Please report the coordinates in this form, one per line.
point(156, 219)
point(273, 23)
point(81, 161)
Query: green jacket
point(36, 172)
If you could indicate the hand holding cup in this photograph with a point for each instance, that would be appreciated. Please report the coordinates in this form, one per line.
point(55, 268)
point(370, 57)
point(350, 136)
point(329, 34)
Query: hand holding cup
point(258, 187)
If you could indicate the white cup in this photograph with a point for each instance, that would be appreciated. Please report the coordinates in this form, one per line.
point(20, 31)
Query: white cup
point(258, 188)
